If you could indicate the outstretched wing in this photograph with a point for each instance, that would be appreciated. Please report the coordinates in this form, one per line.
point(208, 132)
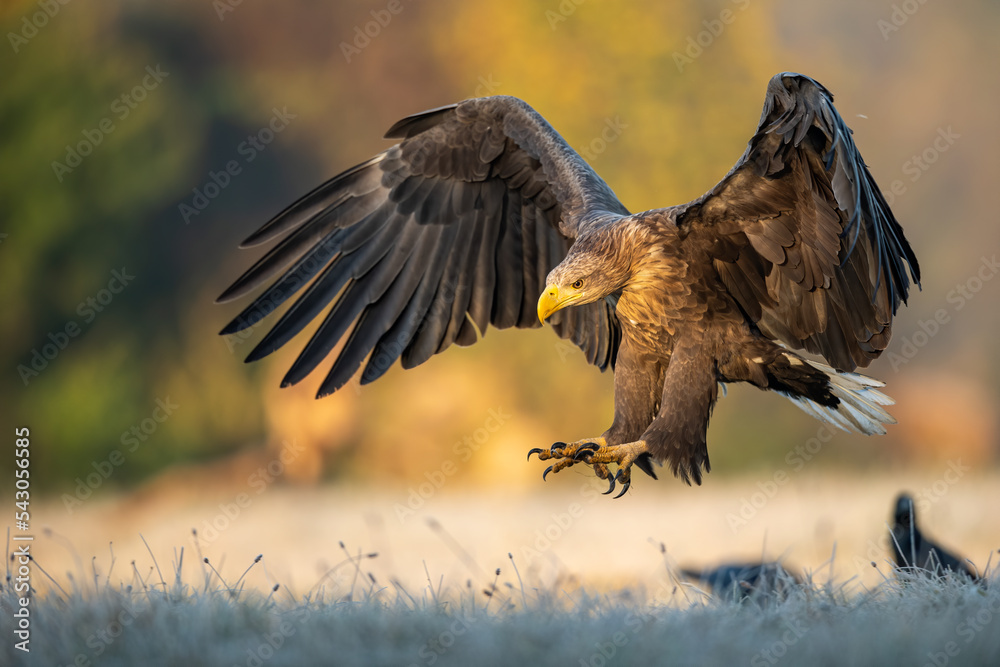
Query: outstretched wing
point(800, 234)
point(429, 242)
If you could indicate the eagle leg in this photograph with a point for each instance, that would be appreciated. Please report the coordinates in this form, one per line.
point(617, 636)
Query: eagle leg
point(598, 454)
point(562, 450)
point(624, 456)
point(570, 454)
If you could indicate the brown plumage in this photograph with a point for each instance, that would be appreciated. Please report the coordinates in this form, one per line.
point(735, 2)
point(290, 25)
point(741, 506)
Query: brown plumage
point(482, 207)
point(915, 553)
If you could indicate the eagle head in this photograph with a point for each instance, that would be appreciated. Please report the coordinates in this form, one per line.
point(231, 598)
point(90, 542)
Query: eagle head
point(588, 273)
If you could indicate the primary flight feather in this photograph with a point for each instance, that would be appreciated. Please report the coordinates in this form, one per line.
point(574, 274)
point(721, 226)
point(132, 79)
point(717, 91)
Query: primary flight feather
point(483, 215)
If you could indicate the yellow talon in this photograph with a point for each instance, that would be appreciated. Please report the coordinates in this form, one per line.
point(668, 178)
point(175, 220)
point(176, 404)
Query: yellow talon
point(596, 453)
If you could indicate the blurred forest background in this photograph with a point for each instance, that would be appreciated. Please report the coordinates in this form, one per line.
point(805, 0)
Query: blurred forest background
point(154, 99)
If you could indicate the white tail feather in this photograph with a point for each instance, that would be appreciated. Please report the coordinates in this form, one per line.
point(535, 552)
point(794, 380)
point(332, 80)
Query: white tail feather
point(860, 409)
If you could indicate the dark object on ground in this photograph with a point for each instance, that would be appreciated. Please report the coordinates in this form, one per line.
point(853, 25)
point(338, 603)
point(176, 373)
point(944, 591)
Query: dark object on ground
point(915, 553)
point(745, 580)
point(482, 207)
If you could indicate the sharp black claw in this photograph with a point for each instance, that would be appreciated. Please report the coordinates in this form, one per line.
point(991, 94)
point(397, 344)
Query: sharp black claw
point(581, 453)
point(557, 445)
point(611, 487)
point(628, 483)
point(545, 474)
point(534, 450)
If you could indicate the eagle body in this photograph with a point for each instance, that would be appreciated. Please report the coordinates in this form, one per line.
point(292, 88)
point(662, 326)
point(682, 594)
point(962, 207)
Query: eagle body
point(483, 215)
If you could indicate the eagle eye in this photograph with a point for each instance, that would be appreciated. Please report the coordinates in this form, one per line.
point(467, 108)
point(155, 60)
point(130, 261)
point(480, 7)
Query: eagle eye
point(577, 284)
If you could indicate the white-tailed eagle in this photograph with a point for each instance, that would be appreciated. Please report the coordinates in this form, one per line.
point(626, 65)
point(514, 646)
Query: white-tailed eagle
point(483, 215)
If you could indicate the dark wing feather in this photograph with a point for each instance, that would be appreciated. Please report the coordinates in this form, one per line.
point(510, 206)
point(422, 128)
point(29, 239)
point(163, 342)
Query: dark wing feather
point(429, 243)
point(800, 234)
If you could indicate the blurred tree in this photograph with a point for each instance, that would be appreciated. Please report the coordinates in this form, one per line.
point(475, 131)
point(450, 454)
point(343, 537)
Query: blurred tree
point(660, 97)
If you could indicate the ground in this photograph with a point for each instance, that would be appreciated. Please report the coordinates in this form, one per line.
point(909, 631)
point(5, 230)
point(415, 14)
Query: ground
point(583, 580)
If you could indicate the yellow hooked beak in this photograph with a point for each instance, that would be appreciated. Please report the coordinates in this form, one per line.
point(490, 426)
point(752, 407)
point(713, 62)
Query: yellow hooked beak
point(551, 300)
